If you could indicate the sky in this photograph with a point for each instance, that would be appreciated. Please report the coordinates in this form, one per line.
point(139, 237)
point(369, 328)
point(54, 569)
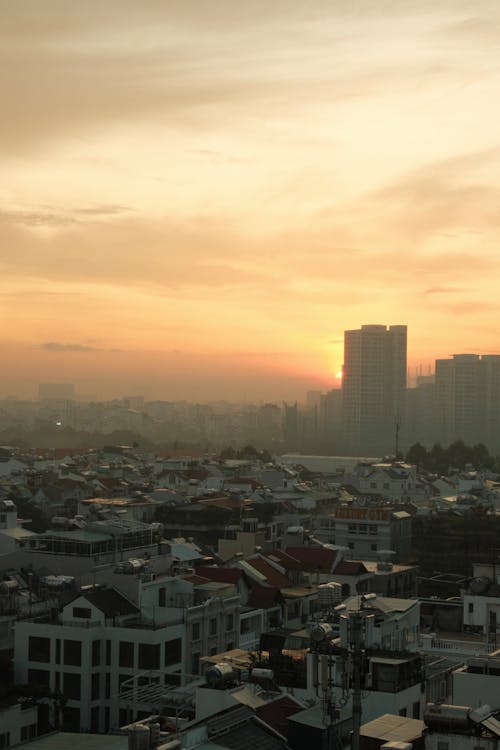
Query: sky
point(198, 198)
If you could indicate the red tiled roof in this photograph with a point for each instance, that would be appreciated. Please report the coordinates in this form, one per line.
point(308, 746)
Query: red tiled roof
point(313, 558)
point(273, 576)
point(221, 575)
point(284, 559)
point(350, 568)
point(263, 597)
point(195, 579)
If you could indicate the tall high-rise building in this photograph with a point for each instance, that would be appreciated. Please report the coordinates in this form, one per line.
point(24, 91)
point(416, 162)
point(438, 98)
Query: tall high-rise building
point(373, 388)
point(468, 399)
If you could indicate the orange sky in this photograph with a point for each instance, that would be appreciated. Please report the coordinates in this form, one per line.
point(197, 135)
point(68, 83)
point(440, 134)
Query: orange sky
point(199, 197)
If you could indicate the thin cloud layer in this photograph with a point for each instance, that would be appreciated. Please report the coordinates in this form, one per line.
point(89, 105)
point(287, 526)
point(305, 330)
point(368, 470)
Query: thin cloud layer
point(243, 181)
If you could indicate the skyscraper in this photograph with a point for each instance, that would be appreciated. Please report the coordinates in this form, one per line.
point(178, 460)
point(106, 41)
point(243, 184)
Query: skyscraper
point(373, 388)
point(468, 399)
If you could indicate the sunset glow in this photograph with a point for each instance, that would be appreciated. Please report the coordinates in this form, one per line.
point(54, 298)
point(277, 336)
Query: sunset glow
point(199, 198)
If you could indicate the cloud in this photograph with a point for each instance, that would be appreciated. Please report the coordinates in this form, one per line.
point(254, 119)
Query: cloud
point(56, 346)
point(444, 290)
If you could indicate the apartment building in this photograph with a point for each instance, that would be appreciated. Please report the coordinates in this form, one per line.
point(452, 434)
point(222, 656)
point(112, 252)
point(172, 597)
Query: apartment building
point(373, 388)
point(101, 644)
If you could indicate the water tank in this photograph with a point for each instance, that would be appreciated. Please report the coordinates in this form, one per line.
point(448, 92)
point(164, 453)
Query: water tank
point(219, 674)
point(322, 631)
point(480, 585)
point(138, 737)
point(8, 587)
point(329, 594)
point(444, 715)
point(58, 583)
point(155, 734)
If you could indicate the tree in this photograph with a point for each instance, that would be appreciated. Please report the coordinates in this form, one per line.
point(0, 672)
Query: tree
point(418, 455)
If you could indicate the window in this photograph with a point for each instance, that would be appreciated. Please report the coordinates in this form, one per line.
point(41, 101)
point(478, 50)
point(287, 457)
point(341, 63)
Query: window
point(213, 651)
point(162, 597)
point(128, 678)
point(362, 529)
point(107, 686)
point(39, 677)
point(96, 653)
point(373, 530)
point(213, 626)
point(416, 710)
point(72, 686)
point(195, 663)
point(352, 528)
point(471, 607)
point(442, 745)
point(350, 545)
point(149, 656)
point(5, 740)
point(84, 612)
point(94, 719)
point(373, 547)
point(39, 649)
point(28, 732)
point(195, 631)
point(96, 693)
point(71, 719)
point(402, 712)
point(173, 652)
point(230, 622)
point(108, 653)
point(73, 653)
point(58, 650)
point(126, 658)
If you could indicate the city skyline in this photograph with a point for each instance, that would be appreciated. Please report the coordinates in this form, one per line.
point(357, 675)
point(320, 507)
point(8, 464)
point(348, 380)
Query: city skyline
point(198, 200)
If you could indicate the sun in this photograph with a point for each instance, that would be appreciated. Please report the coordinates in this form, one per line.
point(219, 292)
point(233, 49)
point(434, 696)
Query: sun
point(338, 375)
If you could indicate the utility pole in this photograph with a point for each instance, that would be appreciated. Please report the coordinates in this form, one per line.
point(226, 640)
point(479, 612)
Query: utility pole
point(353, 657)
point(356, 628)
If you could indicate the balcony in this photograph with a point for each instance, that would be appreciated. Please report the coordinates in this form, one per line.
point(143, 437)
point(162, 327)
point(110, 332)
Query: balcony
point(432, 643)
point(249, 640)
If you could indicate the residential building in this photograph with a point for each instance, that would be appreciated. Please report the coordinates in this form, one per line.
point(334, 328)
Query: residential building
point(101, 641)
point(368, 531)
point(373, 388)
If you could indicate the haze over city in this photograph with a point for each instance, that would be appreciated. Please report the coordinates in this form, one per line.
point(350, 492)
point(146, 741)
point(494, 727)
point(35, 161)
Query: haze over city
point(199, 198)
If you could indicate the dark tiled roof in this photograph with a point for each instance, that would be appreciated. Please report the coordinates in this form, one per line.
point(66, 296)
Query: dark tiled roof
point(273, 576)
point(350, 568)
point(238, 729)
point(263, 597)
point(222, 575)
point(284, 559)
point(110, 602)
point(314, 558)
point(276, 713)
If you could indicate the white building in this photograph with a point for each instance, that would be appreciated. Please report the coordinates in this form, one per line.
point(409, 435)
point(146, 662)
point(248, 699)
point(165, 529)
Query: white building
point(367, 531)
point(101, 641)
point(18, 723)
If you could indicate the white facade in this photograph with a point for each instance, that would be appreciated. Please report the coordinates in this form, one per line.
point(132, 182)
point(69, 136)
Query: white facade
point(18, 724)
point(477, 683)
point(89, 655)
